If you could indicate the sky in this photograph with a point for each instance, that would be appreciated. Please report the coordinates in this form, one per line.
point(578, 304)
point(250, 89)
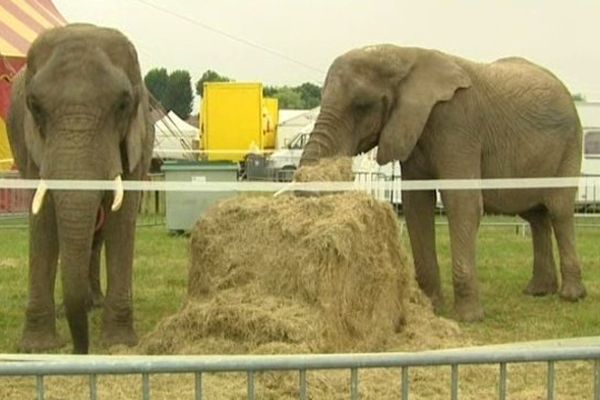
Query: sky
point(293, 41)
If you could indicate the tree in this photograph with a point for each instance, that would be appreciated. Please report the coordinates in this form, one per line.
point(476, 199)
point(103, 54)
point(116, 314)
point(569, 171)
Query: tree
point(157, 82)
point(310, 94)
point(209, 76)
point(305, 96)
point(288, 98)
point(179, 96)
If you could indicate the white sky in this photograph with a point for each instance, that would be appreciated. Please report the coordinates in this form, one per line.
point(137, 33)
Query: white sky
point(561, 35)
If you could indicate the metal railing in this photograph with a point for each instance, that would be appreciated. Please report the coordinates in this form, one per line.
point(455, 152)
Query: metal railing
point(41, 366)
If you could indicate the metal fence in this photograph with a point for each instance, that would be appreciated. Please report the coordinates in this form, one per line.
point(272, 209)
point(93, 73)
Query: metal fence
point(41, 366)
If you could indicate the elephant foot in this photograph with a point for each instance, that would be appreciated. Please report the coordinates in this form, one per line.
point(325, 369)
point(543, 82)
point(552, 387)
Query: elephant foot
point(541, 287)
point(124, 335)
point(572, 291)
point(469, 311)
point(36, 342)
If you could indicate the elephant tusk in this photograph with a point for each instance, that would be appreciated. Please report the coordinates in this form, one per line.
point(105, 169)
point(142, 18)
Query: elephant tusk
point(38, 197)
point(118, 196)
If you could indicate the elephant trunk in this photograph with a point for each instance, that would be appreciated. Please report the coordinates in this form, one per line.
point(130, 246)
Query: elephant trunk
point(76, 216)
point(330, 137)
point(70, 154)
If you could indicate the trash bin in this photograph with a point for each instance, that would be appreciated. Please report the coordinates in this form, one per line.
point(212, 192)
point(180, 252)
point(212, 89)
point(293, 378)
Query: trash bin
point(184, 208)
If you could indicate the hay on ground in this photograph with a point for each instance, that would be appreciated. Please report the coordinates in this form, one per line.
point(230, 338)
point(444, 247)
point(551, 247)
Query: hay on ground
point(288, 274)
point(328, 272)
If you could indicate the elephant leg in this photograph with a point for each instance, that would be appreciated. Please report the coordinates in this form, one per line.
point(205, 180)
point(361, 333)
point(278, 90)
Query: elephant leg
point(117, 320)
point(419, 211)
point(464, 209)
point(95, 261)
point(572, 287)
point(544, 280)
point(39, 332)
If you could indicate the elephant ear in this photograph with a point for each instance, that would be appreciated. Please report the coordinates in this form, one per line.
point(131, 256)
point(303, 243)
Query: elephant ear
point(435, 77)
point(26, 143)
point(140, 138)
point(33, 138)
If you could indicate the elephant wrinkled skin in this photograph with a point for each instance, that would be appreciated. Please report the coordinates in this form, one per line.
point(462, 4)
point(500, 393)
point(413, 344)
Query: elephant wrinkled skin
point(444, 117)
point(80, 111)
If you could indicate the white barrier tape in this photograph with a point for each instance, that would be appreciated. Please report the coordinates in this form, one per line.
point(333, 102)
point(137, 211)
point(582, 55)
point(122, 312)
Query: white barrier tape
point(232, 151)
point(265, 186)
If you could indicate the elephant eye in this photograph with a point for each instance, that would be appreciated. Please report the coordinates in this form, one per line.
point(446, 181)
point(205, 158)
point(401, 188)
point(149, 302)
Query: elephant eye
point(124, 103)
point(363, 105)
point(34, 105)
point(36, 109)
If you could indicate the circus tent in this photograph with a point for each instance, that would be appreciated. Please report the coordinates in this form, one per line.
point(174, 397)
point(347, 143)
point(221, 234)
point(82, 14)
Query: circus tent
point(21, 21)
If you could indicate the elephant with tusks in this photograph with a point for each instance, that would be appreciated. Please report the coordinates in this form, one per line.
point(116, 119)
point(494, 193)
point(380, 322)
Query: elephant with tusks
point(80, 111)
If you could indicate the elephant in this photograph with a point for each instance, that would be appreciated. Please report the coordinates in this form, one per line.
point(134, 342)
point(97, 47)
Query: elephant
point(445, 117)
point(80, 111)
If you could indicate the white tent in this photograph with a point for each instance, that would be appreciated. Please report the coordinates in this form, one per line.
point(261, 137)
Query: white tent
point(589, 113)
point(292, 122)
point(174, 138)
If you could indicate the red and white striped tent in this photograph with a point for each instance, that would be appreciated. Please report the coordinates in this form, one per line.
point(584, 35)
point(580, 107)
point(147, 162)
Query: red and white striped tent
point(21, 21)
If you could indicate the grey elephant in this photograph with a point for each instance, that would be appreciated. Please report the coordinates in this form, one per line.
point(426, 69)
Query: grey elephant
point(444, 117)
point(80, 111)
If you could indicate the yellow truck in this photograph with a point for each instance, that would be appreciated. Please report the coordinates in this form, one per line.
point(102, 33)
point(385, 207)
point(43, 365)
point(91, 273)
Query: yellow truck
point(236, 121)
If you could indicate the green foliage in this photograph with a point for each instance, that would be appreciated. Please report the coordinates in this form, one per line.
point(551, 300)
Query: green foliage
point(288, 97)
point(305, 96)
point(179, 96)
point(209, 76)
point(157, 82)
point(310, 94)
point(173, 91)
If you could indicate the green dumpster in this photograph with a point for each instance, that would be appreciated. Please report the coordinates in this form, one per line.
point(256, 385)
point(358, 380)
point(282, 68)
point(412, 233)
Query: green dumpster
point(184, 208)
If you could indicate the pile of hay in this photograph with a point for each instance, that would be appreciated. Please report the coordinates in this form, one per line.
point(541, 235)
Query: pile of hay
point(333, 170)
point(324, 273)
point(289, 274)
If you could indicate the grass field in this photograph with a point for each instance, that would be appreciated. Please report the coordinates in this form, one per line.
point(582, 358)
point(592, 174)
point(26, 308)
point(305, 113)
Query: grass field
point(504, 267)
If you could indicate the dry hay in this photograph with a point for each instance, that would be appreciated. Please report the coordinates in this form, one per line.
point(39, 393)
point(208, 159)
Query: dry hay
point(334, 170)
point(324, 272)
point(285, 275)
point(526, 381)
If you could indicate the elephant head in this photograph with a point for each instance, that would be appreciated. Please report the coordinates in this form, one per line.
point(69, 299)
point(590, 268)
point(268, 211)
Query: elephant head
point(83, 116)
point(381, 96)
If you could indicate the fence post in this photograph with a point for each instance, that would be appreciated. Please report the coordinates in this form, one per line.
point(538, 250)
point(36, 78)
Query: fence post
point(454, 394)
point(303, 384)
point(354, 383)
point(198, 379)
point(597, 380)
point(39, 379)
point(502, 388)
point(404, 383)
point(551, 385)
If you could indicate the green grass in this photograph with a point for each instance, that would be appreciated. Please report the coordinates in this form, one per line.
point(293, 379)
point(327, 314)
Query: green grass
point(504, 268)
point(504, 264)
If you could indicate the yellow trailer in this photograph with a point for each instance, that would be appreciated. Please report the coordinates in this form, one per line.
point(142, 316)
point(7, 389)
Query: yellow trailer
point(271, 121)
point(236, 120)
point(6, 161)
